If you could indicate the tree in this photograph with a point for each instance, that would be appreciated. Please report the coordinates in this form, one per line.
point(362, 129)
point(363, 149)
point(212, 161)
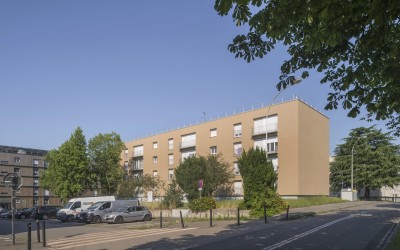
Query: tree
point(354, 43)
point(104, 152)
point(213, 170)
point(376, 161)
point(257, 172)
point(68, 174)
point(132, 187)
point(173, 196)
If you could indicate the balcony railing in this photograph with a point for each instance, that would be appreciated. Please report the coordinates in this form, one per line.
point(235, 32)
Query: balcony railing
point(188, 144)
point(138, 167)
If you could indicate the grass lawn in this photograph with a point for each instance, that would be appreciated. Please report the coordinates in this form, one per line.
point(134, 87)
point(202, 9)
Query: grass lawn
point(312, 201)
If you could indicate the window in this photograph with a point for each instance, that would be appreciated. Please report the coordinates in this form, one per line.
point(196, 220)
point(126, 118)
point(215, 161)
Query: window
point(213, 132)
point(35, 191)
point(126, 153)
point(46, 164)
point(155, 145)
point(35, 182)
point(17, 160)
point(155, 159)
point(170, 174)
point(17, 201)
point(236, 168)
point(213, 150)
point(155, 173)
point(35, 172)
point(238, 186)
point(237, 149)
point(4, 162)
point(237, 130)
point(259, 143)
point(260, 125)
point(16, 170)
point(35, 163)
point(170, 159)
point(272, 147)
point(46, 192)
point(138, 164)
point(170, 144)
point(35, 201)
point(46, 201)
point(187, 154)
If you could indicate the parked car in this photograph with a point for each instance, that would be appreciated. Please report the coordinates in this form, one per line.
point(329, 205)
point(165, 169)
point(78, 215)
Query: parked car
point(26, 213)
point(96, 211)
point(128, 214)
point(9, 215)
point(71, 210)
point(45, 212)
point(4, 213)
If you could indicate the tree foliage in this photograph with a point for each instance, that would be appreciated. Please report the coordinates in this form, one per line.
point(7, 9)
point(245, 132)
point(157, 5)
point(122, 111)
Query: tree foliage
point(355, 44)
point(376, 161)
point(104, 152)
point(68, 174)
point(133, 187)
point(259, 180)
point(213, 170)
point(173, 195)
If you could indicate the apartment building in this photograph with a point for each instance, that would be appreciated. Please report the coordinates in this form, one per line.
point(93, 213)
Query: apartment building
point(295, 136)
point(27, 163)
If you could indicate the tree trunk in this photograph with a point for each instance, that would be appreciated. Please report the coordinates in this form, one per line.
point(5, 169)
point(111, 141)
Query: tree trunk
point(367, 191)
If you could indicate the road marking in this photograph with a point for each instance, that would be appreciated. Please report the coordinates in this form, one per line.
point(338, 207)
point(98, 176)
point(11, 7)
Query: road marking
point(98, 238)
point(296, 237)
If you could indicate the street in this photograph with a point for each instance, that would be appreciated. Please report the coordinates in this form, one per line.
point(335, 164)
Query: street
point(354, 227)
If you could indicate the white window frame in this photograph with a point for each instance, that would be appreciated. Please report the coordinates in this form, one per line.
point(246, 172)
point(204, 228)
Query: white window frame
point(155, 159)
point(155, 145)
point(170, 159)
point(213, 150)
point(237, 130)
point(170, 144)
point(213, 132)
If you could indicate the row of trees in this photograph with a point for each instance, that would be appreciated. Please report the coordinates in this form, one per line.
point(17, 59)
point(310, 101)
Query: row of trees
point(376, 161)
point(76, 167)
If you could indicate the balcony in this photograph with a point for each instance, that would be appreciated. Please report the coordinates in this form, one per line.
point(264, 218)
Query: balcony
point(138, 153)
point(188, 144)
point(138, 167)
point(262, 129)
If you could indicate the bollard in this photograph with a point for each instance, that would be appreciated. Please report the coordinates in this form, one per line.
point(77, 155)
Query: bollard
point(183, 225)
point(38, 230)
point(160, 219)
point(211, 224)
point(44, 233)
point(287, 212)
point(29, 236)
point(238, 216)
point(265, 213)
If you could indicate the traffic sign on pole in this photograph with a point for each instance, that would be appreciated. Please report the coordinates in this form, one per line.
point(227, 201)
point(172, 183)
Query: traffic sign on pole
point(13, 180)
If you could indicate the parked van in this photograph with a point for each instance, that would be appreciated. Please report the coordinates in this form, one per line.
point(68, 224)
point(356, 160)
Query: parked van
point(76, 205)
point(95, 212)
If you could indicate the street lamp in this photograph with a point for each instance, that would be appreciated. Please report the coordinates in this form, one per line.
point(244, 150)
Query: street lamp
point(295, 81)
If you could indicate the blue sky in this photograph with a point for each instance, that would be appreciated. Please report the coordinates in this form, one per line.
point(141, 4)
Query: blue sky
point(133, 67)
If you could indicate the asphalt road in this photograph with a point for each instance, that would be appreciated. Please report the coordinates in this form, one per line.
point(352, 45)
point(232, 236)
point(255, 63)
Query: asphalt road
point(361, 227)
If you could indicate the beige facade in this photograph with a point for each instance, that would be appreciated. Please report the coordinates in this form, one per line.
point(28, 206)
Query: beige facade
point(27, 163)
point(297, 142)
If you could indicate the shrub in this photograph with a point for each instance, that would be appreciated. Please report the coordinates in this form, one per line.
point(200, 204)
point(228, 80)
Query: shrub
point(202, 204)
point(275, 204)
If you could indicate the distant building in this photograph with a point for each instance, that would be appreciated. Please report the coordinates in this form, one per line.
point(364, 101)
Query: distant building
point(27, 163)
point(295, 135)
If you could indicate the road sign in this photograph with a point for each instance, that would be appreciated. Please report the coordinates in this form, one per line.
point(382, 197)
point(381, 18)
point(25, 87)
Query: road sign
point(13, 180)
point(200, 185)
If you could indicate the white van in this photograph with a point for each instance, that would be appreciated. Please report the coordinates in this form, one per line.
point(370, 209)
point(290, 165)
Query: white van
point(76, 205)
point(96, 212)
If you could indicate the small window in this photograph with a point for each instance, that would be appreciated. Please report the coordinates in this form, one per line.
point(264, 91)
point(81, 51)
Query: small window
point(126, 152)
point(155, 159)
point(236, 168)
point(170, 144)
point(35, 163)
point(213, 150)
point(4, 162)
point(17, 160)
point(171, 159)
point(237, 130)
point(237, 149)
point(155, 145)
point(35, 172)
point(35, 201)
point(155, 173)
point(46, 201)
point(17, 170)
point(213, 132)
point(17, 201)
point(170, 174)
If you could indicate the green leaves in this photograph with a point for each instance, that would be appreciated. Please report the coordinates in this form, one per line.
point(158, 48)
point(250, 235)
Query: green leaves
point(376, 160)
point(355, 44)
point(213, 170)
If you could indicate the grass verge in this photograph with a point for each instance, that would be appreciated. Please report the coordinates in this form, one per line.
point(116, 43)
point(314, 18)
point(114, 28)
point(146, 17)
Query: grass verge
point(312, 201)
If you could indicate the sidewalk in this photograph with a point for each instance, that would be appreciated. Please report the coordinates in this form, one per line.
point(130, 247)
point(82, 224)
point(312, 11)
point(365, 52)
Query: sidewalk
point(201, 228)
